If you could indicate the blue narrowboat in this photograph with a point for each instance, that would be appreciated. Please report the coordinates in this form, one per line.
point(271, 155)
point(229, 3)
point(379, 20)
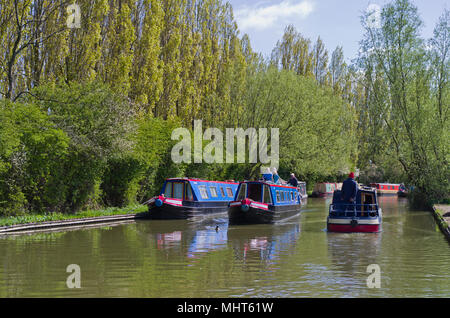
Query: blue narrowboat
point(364, 215)
point(182, 198)
point(263, 202)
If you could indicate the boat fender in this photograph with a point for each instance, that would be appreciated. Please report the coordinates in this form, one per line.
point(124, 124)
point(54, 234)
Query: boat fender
point(354, 223)
point(158, 202)
point(244, 207)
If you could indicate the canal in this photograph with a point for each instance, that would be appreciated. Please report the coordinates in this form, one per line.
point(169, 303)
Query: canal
point(152, 258)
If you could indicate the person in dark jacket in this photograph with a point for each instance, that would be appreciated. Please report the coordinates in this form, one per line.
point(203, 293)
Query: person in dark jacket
point(349, 189)
point(293, 180)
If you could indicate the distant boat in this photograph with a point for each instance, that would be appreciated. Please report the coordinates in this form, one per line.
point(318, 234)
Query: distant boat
point(402, 191)
point(386, 188)
point(182, 198)
point(362, 216)
point(263, 202)
point(324, 189)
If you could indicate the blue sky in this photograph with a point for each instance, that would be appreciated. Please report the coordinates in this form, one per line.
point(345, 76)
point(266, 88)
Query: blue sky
point(336, 21)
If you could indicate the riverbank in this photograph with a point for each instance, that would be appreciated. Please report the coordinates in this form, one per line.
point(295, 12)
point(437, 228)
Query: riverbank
point(441, 213)
point(51, 220)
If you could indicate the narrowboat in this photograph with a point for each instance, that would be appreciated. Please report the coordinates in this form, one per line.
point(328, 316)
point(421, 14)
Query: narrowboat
point(324, 189)
point(402, 191)
point(182, 198)
point(263, 202)
point(386, 188)
point(362, 216)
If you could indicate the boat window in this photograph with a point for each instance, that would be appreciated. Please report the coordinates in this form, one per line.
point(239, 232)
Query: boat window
point(292, 196)
point(278, 196)
point(255, 191)
point(213, 191)
point(267, 195)
point(222, 191)
point(230, 192)
point(367, 198)
point(188, 192)
point(168, 190)
point(203, 192)
point(178, 190)
point(242, 192)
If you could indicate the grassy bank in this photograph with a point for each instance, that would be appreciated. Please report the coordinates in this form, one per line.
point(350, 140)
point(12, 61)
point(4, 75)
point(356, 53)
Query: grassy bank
point(37, 218)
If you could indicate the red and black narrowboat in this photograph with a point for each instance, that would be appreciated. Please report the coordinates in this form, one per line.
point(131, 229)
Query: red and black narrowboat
point(263, 202)
point(386, 188)
point(364, 215)
point(182, 198)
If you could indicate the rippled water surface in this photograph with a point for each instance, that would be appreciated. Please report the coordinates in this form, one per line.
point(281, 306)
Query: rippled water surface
point(154, 258)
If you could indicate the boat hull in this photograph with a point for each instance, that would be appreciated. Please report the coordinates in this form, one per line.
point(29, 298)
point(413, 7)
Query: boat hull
point(255, 215)
point(386, 192)
point(402, 194)
point(186, 209)
point(354, 225)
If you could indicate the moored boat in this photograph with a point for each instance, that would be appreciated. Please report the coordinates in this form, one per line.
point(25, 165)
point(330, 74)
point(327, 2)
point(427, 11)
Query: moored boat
point(323, 189)
point(263, 202)
point(182, 198)
point(364, 215)
point(386, 188)
point(402, 191)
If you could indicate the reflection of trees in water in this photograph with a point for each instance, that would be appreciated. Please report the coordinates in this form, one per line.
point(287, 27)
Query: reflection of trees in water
point(36, 264)
point(264, 242)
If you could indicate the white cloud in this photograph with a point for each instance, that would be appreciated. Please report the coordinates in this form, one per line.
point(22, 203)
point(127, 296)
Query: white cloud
point(264, 17)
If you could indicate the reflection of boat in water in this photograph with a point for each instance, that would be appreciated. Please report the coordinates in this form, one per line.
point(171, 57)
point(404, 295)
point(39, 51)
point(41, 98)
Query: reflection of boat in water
point(352, 253)
point(263, 241)
point(263, 202)
point(364, 215)
point(182, 198)
point(186, 237)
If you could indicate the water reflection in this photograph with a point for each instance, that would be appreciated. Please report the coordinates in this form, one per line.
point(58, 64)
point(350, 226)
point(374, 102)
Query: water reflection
point(190, 238)
point(263, 242)
point(208, 258)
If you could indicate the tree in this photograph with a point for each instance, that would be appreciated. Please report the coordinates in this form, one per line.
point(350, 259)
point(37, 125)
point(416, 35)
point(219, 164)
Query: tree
point(400, 84)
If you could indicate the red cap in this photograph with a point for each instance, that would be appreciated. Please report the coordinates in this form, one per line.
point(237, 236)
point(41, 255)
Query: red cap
point(351, 175)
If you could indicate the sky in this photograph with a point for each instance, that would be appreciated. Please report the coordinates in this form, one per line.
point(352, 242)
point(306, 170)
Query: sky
point(337, 22)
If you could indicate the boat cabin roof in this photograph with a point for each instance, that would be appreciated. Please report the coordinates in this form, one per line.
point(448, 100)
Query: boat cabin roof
point(277, 194)
point(191, 189)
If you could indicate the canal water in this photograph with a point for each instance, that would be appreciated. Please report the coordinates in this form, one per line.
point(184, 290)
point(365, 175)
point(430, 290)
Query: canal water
point(157, 258)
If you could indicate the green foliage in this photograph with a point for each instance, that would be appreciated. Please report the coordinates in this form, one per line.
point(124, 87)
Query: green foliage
point(88, 113)
point(32, 157)
point(408, 96)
